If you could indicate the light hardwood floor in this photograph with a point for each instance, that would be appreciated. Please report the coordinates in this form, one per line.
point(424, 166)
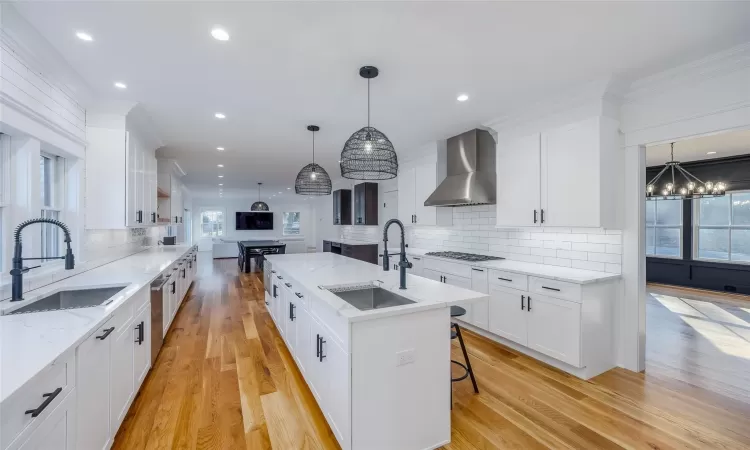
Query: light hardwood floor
point(224, 380)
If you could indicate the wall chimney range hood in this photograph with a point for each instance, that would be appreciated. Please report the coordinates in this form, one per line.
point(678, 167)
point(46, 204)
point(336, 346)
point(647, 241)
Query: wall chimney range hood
point(471, 178)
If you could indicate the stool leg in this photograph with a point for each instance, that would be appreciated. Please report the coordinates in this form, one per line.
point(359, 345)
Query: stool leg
point(466, 358)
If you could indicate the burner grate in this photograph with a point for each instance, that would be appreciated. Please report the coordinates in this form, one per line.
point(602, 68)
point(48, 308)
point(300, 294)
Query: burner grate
point(464, 256)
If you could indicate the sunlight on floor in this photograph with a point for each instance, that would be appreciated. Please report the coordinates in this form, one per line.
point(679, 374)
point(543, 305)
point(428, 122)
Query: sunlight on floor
point(677, 305)
point(721, 337)
point(715, 312)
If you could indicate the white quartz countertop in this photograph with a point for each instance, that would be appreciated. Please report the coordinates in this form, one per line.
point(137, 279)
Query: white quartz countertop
point(351, 241)
point(327, 270)
point(579, 276)
point(30, 342)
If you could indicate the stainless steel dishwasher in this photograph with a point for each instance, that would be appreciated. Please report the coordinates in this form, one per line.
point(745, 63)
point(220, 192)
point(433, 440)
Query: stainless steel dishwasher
point(157, 315)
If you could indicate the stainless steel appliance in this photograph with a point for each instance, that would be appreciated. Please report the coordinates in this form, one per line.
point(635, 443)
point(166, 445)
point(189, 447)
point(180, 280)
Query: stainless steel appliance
point(157, 315)
point(463, 256)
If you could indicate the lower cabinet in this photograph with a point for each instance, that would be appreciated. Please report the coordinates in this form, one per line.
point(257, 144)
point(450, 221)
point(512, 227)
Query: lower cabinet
point(554, 328)
point(142, 348)
point(417, 266)
point(453, 280)
point(94, 354)
point(57, 432)
point(303, 354)
point(122, 375)
point(507, 314)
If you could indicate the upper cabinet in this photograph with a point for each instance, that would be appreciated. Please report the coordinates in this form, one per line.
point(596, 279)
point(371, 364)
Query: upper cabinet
point(366, 204)
point(120, 174)
point(562, 177)
point(415, 184)
point(170, 202)
point(342, 207)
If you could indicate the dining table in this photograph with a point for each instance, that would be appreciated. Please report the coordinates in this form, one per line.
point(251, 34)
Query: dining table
point(255, 249)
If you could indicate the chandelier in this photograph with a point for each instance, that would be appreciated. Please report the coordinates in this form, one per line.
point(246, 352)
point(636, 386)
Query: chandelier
point(259, 205)
point(691, 187)
point(313, 179)
point(368, 154)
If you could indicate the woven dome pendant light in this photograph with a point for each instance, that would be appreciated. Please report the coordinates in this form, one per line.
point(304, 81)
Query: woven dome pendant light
point(313, 179)
point(259, 205)
point(368, 154)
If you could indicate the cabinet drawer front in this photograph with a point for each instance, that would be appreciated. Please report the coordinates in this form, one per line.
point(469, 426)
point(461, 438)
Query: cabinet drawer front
point(554, 288)
point(338, 325)
point(124, 314)
point(461, 270)
point(31, 397)
point(509, 279)
point(554, 328)
point(141, 298)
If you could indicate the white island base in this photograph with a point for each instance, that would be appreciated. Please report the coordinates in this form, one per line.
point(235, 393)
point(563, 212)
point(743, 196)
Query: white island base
point(381, 377)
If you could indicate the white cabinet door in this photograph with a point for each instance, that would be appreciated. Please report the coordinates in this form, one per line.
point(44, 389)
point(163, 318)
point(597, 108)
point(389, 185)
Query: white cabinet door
point(507, 313)
point(151, 190)
point(292, 308)
point(570, 175)
point(432, 275)
point(554, 328)
point(142, 346)
point(57, 432)
point(304, 352)
point(140, 180)
point(335, 363)
point(121, 375)
point(317, 377)
point(167, 305)
point(457, 281)
point(406, 195)
point(425, 184)
point(478, 312)
point(93, 389)
point(417, 265)
point(131, 178)
point(518, 182)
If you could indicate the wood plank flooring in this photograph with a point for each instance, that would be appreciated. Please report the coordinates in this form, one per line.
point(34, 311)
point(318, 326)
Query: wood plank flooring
point(224, 380)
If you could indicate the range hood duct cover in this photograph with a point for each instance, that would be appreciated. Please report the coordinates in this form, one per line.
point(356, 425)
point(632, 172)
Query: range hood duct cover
point(471, 178)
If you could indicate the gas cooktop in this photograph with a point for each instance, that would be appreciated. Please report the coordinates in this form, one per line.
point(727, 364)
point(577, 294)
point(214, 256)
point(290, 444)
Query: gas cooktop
point(463, 256)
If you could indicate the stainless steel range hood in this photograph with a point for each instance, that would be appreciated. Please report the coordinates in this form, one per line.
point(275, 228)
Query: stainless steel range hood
point(471, 178)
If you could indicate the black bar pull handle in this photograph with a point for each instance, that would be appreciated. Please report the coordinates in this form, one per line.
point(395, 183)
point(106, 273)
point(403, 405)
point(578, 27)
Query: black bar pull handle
point(298, 294)
point(522, 299)
point(322, 341)
point(274, 290)
point(107, 332)
point(551, 289)
point(317, 346)
point(528, 305)
point(477, 270)
point(542, 216)
point(153, 217)
point(535, 216)
point(288, 285)
point(505, 279)
point(48, 398)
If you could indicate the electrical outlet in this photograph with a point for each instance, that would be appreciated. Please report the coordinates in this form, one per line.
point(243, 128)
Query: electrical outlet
point(405, 357)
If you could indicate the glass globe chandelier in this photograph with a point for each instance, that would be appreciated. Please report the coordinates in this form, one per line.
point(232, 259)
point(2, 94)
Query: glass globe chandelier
point(368, 154)
point(691, 187)
point(313, 179)
point(259, 205)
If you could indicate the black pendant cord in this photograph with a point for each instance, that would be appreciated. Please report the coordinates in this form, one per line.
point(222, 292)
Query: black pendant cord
point(313, 147)
point(368, 103)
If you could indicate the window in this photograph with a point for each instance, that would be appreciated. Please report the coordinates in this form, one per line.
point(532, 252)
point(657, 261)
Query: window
point(291, 223)
point(212, 223)
point(4, 190)
point(51, 184)
point(723, 227)
point(664, 228)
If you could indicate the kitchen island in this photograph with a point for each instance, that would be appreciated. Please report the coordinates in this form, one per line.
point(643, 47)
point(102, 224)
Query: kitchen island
point(381, 375)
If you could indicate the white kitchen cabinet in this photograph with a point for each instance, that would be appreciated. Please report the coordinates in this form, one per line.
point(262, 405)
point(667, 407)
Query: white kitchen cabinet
point(93, 396)
point(142, 345)
point(170, 203)
point(478, 312)
point(290, 315)
point(56, 432)
point(554, 328)
point(415, 184)
point(417, 265)
point(453, 280)
point(565, 176)
point(122, 375)
point(303, 351)
point(507, 313)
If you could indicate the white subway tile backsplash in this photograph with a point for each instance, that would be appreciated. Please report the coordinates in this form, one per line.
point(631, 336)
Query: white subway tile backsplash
point(572, 237)
point(557, 245)
point(605, 257)
point(588, 230)
point(544, 252)
point(605, 238)
point(588, 265)
point(601, 248)
point(530, 243)
point(614, 248)
point(572, 254)
point(557, 262)
point(613, 268)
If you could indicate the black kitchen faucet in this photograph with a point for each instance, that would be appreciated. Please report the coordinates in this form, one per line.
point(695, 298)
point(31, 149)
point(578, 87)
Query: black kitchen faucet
point(403, 263)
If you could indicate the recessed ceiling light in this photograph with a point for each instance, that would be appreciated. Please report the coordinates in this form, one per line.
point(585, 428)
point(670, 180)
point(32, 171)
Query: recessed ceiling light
point(221, 149)
point(221, 184)
point(220, 165)
point(220, 34)
point(288, 189)
point(462, 98)
point(711, 153)
point(84, 36)
point(120, 85)
point(221, 176)
point(220, 116)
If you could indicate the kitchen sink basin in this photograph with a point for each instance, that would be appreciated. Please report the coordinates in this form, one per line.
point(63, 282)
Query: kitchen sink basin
point(370, 297)
point(71, 299)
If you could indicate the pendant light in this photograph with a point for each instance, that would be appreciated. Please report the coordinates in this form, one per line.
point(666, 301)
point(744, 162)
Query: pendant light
point(368, 154)
point(313, 179)
point(692, 187)
point(259, 205)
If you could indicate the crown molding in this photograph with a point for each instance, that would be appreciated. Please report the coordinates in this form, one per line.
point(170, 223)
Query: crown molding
point(10, 102)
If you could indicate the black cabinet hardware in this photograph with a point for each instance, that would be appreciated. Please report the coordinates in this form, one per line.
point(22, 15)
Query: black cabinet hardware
point(183, 273)
point(321, 356)
point(522, 299)
point(107, 332)
point(528, 305)
point(139, 336)
point(477, 270)
point(291, 311)
point(153, 217)
point(505, 279)
point(417, 259)
point(174, 287)
point(48, 398)
point(535, 216)
point(542, 216)
point(181, 219)
point(274, 290)
point(288, 285)
point(279, 277)
point(551, 289)
point(317, 346)
point(175, 219)
point(298, 294)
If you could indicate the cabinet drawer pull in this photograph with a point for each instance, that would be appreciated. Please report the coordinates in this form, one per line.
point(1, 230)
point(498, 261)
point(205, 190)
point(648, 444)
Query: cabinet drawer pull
point(139, 336)
point(542, 216)
point(288, 285)
point(417, 259)
point(477, 270)
point(48, 399)
point(107, 332)
point(273, 271)
point(551, 289)
point(279, 277)
point(505, 279)
point(322, 341)
point(317, 346)
point(174, 287)
point(522, 305)
point(298, 294)
point(274, 290)
point(535, 216)
point(528, 305)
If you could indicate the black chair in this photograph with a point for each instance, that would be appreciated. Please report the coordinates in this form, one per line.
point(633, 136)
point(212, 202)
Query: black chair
point(457, 311)
point(241, 257)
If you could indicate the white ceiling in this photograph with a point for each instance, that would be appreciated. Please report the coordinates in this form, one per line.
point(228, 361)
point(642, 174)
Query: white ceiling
point(289, 64)
point(724, 144)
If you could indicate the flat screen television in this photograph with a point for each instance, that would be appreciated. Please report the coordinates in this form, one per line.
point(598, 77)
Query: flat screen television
point(254, 220)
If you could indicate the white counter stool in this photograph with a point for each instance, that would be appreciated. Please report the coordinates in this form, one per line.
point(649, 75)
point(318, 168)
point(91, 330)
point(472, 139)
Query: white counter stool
point(457, 311)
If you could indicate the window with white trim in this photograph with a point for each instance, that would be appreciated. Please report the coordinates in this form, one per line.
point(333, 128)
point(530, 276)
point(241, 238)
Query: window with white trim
point(664, 228)
point(4, 191)
point(212, 223)
point(291, 223)
point(51, 188)
point(722, 228)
